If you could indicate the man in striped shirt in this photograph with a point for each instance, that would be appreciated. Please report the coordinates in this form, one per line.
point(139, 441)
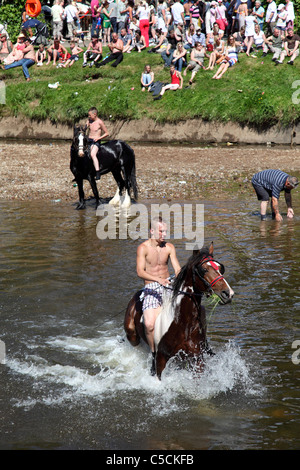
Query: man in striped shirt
point(269, 184)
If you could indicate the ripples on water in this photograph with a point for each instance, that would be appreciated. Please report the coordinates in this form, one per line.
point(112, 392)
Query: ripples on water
point(62, 304)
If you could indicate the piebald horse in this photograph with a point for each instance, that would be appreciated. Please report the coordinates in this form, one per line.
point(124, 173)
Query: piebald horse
point(181, 325)
point(114, 156)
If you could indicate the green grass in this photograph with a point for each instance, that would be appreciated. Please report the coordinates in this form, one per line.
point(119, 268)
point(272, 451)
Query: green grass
point(264, 99)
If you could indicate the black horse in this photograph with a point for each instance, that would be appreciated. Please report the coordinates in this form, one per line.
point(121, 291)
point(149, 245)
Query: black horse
point(114, 156)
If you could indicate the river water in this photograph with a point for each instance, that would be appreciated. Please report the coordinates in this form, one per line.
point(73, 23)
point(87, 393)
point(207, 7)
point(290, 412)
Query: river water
point(70, 381)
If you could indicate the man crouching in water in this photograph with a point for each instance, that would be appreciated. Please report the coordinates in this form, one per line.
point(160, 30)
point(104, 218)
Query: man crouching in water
point(97, 132)
point(153, 256)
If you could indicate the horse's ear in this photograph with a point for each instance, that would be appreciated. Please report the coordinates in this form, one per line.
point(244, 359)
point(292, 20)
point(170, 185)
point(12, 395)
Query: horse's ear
point(211, 249)
point(85, 128)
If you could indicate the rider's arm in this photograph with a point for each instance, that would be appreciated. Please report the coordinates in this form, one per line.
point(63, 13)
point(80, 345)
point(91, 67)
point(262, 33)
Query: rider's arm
point(174, 260)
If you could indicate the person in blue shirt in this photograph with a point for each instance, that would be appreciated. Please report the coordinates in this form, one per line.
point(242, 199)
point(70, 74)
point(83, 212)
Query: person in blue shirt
point(268, 184)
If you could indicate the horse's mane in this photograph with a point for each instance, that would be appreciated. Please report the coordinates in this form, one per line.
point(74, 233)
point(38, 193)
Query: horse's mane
point(193, 261)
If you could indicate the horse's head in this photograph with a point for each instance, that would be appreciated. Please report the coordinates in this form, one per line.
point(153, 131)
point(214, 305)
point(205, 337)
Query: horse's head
point(210, 273)
point(80, 140)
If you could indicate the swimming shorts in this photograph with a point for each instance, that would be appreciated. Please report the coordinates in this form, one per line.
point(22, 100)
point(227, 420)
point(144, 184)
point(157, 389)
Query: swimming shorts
point(92, 142)
point(152, 295)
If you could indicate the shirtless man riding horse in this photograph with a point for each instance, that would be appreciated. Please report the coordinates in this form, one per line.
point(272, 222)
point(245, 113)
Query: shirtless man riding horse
point(97, 132)
point(153, 256)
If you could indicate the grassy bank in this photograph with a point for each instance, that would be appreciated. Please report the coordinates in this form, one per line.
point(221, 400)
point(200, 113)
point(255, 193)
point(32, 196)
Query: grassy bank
point(254, 92)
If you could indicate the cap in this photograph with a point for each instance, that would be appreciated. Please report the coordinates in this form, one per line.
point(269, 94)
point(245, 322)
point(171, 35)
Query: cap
point(281, 6)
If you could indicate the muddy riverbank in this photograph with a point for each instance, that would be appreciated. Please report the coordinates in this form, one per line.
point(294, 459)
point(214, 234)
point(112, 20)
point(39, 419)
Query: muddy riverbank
point(39, 170)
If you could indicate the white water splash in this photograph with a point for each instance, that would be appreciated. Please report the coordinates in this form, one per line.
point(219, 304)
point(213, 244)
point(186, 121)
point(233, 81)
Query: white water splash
point(109, 366)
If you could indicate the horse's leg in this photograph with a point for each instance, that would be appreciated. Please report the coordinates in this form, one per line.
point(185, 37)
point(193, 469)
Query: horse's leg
point(133, 311)
point(94, 189)
point(120, 182)
point(127, 200)
point(161, 362)
point(116, 199)
point(81, 203)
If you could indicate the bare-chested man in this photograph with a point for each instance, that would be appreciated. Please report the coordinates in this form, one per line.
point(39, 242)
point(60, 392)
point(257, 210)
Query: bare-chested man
point(97, 132)
point(153, 256)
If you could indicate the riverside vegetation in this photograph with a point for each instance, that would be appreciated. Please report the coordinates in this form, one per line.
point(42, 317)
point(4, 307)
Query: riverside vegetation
point(254, 93)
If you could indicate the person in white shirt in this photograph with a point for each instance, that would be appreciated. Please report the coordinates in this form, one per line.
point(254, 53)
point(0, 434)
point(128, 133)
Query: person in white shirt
point(290, 14)
point(177, 11)
point(72, 16)
point(57, 12)
point(271, 16)
point(249, 31)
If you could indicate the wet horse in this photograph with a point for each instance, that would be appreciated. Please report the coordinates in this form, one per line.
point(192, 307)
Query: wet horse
point(181, 325)
point(114, 156)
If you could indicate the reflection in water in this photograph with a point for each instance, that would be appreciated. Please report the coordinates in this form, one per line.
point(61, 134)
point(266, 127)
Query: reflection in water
point(63, 296)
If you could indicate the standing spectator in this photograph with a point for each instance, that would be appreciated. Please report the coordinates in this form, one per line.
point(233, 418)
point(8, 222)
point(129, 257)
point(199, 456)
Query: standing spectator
point(57, 12)
point(195, 17)
point(249, 31)
point(106, 22)
point(177, 11)
point(161, 16)
point(72, 17)
point(221, 17)
point(290, 14)
point(187, 16)
point(242, 12)
point(271, 16)
point(113, 13)
point(281, 17)
point(94, 9)
point(121, 15)
point(143, 13)
point(259, 13)
point(290, 47)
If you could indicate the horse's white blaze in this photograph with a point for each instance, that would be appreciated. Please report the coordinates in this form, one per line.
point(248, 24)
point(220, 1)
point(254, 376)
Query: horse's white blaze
point(81, 145)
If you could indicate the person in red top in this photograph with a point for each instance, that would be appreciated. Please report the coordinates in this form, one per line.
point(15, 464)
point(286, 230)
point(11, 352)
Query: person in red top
point(176, 82)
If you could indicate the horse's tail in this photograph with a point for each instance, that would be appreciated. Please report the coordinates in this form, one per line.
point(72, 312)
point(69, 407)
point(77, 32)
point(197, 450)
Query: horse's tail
point(130, 174)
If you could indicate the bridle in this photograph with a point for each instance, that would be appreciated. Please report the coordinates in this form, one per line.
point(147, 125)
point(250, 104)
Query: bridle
point(79, 143)
point(219, 267)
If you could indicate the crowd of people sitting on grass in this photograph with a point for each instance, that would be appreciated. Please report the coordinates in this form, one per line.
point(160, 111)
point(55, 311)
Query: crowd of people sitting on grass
point(189, 35)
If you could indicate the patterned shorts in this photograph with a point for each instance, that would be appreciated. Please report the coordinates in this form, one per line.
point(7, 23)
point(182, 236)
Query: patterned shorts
point(152, 296)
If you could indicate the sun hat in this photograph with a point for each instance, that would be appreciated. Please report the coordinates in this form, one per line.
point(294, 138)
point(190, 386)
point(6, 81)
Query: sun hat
point(281, 6)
